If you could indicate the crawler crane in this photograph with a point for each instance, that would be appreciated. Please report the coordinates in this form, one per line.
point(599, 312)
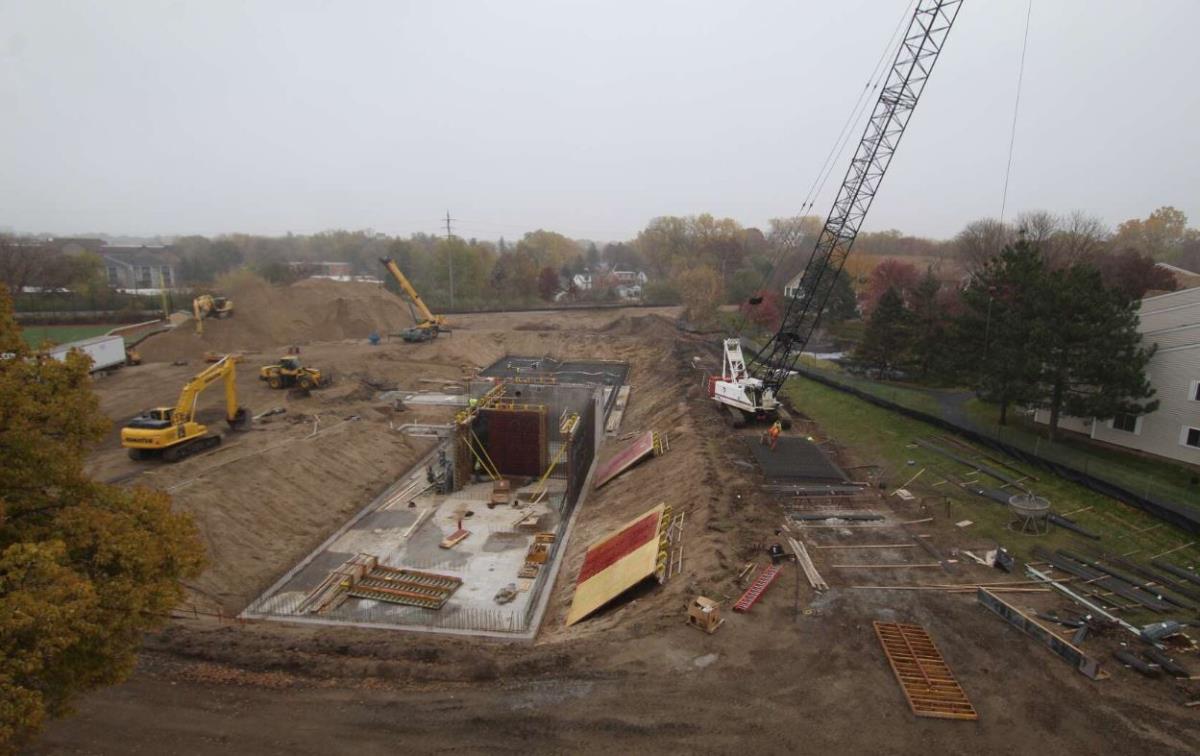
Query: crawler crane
point(749, 390)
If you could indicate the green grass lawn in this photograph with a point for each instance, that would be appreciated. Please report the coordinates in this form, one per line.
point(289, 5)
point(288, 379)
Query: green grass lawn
point(34, 335)
point(1141, 474)
point(879, 436)
point(913, 398)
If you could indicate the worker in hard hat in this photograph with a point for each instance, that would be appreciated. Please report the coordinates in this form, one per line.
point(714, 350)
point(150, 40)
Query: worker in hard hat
point(773, 434)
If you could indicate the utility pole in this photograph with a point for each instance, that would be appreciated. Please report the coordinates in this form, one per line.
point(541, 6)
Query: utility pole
point(450, 257)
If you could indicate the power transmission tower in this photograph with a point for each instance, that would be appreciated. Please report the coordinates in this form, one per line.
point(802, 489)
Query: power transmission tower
point(450, 257)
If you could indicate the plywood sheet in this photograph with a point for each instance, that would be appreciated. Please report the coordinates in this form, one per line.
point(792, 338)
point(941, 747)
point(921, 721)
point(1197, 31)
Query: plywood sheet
point(640, 448)
point(617, 562)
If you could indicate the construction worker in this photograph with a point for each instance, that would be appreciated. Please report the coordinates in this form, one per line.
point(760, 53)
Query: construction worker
point(773, 434)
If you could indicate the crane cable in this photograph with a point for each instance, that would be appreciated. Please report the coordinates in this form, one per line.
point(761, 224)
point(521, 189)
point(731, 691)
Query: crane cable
point(853, 120)
point(1012, 139)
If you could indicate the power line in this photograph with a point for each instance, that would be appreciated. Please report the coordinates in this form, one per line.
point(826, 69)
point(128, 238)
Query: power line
point(1012, 139)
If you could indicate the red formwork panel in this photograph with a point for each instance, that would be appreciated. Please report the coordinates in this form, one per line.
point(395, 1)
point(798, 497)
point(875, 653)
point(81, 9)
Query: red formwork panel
point(642, 447)
point(516, 441)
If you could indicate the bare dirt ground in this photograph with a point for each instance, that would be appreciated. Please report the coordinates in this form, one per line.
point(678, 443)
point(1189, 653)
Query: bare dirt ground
point(800, 673)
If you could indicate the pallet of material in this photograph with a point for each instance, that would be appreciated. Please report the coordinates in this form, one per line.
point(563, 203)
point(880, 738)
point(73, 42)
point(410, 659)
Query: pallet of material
point(454, 539)
point(398, 585)
point(331, 591)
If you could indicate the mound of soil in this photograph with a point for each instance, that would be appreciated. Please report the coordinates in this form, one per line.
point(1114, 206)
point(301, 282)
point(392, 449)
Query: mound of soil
point(266, 316)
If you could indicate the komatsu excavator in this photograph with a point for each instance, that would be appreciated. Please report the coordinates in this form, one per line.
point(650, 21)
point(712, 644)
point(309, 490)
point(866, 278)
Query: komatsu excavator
point(172, 433)
point(749, 391)
point(208, 306)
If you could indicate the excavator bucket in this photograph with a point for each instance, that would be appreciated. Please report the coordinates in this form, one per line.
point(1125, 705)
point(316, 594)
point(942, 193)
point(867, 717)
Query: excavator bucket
point(241, 419)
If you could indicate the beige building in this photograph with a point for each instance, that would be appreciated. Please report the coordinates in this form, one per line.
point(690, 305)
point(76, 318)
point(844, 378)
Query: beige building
point(1173, 430)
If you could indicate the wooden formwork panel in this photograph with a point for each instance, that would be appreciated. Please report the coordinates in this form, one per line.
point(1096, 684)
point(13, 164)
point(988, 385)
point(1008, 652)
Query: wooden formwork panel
point(516, 440)
point(924, 676)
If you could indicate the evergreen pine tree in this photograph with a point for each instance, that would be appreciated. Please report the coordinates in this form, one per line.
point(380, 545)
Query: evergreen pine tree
point(885, 342)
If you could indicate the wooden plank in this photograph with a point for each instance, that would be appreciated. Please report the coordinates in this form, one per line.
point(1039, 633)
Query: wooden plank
point(454, 539)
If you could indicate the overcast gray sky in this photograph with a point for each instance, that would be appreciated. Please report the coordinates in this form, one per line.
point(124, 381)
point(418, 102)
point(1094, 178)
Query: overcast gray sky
point(588, 118)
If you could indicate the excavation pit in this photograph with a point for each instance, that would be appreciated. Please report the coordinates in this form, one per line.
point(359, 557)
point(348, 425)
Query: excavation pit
point(448, 520)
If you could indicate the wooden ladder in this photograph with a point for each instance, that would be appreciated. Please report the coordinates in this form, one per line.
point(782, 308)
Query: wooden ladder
point(757, 588)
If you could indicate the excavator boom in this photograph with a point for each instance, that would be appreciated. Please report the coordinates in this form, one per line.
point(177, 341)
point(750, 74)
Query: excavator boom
point(225, 368)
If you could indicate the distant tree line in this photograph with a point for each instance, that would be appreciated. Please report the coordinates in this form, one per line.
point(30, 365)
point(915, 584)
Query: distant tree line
point(701, 261)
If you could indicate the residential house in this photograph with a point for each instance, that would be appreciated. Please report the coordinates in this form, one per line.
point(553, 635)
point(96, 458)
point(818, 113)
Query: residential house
point(136, 268)
point(627, 284)
point(77, 245)
point(1172, 321)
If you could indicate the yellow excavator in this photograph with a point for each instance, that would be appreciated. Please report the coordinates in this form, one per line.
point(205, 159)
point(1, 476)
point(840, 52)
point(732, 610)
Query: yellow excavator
point(208, 306)
point(172, 433)
point(428, 325)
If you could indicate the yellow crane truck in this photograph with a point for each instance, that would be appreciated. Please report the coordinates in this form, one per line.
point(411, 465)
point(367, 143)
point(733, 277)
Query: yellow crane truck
point(428, 325)
point(172, 433)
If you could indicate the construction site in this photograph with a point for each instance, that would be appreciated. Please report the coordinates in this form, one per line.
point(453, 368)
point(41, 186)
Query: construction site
point(562, 491)
point(614, 528)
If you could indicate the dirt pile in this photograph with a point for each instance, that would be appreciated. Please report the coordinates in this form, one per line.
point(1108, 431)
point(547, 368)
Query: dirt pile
point(267, 316)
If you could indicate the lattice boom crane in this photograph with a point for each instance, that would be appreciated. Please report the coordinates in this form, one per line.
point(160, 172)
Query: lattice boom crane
point(750, 391)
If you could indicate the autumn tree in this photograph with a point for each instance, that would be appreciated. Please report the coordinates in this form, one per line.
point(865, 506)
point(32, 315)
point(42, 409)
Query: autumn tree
point(980, 241)
point(85, 568)
point(548, 283)
point(1161, 235)
point(764, 309)
point(665, 244)
point(1134, 273)
point(1080, 238)
point(790, 242)
point(515, 275)
point(548, 248)
point(899, 275)
point(700, 292)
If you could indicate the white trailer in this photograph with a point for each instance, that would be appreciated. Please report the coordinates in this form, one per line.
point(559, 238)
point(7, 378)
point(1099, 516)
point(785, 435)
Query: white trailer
point(107, 352)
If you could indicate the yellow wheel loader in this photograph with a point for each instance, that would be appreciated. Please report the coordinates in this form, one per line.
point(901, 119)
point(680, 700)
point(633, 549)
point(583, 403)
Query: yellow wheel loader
point(289, 372)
